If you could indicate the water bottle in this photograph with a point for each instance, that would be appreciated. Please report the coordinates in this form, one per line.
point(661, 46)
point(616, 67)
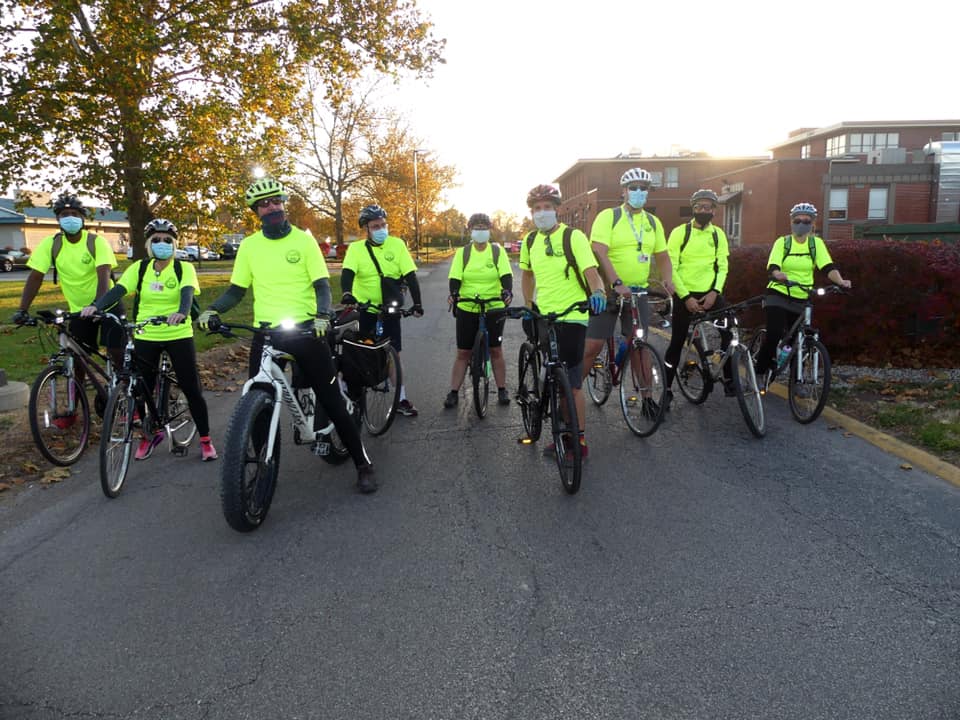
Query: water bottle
point(782, 354)
point(621, 351)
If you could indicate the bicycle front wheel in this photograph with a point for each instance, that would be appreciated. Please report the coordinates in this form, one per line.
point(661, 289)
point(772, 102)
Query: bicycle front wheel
point(381, 400)
point(748, 391)
point(59, 416)
point(566, 431)
point(480, 373)
point(116, 439)
point(528, 392)
point(600, 377)
point(693, 374)
point(808, 389)
point(642, 389)
point(247, 478)
point(174, 408)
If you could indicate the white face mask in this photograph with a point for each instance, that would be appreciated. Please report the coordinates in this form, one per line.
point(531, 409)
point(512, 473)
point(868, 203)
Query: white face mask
point(545, 219)
point(480, 236)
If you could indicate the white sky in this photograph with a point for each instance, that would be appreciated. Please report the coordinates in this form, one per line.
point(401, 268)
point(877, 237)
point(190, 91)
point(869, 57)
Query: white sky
point(531, 87)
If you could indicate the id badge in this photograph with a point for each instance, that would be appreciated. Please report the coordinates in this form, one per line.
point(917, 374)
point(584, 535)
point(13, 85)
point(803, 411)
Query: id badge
point(156, 286)
point(643, 258)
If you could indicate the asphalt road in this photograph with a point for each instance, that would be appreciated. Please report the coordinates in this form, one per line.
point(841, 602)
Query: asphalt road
point(700, 573)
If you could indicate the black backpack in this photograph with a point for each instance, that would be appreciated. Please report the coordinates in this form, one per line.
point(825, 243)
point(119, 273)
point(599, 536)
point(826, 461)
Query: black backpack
point(811, 247)
point(568, 254)
point(466, 254)
point(178, 271)
point(618, 213)
point(58, 245)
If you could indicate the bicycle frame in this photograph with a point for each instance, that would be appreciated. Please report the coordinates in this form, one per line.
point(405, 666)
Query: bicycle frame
point(70, 351)
point(720, 323)
point(801, 329)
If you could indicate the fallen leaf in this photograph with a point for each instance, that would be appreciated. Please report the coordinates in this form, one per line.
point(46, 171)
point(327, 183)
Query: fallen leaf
point(5, 486)
point(906, 466)
point(29, 467)
point(847, 434)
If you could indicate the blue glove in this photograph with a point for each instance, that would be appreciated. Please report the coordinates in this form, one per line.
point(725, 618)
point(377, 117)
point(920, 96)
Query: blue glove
point(598, 302)
point(526, 315)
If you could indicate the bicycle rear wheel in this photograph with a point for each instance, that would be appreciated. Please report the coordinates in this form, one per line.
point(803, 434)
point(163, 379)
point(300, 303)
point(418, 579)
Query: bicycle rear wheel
point(381, 400)
point(642, 389)
point(808, 393)
point(59, 413)
point(116, 439)
point(247, 479)
point(566, 432)
point(175, 410)
point(748, 391)
point(600, 377)
point(693, 376)
point(480, 373)
point(528, 393)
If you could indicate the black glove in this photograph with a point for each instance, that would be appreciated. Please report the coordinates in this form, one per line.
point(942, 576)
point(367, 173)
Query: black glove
point(418, 310)
point(20, 317)
point(506, 296)
point(348, 299)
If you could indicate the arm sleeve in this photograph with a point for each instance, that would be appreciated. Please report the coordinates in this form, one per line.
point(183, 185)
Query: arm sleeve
point(229, 300)
point(322, 287)
point(186, 299)
point(506, 282)
point(411, 279)
point(110, 298)
point(346, 280)
point(455, 286)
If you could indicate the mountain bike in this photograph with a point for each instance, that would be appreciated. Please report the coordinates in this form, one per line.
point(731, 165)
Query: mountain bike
point(544, 392)
point(642, 390)
point(808, 384)
point(702, 362)
point(251, 459)
point(161, 407)
point(59, 407)
point(480, 368)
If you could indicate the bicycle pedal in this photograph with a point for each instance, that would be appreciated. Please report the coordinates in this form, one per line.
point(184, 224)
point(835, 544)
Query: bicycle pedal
point(180, 450)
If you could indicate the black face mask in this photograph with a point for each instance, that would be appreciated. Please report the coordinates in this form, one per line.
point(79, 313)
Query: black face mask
point(703, 218)
point(275, 225)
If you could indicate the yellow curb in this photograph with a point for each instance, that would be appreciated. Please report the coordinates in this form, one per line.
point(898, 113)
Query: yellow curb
point(913, 455)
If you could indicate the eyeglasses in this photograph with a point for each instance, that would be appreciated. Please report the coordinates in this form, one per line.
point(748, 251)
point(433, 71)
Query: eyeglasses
point(634, 188)
point(267, 202)
point(800, 221)
point(703, 207)
point(548, 246)
point(161, 238)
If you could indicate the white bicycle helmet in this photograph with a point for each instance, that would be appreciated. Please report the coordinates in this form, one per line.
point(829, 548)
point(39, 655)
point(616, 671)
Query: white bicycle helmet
point(160, 225)
point(803, 209)
point(636, 175)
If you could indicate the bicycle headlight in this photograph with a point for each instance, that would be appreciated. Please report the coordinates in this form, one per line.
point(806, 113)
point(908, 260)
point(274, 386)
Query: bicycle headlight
point(821, 291)
point(639, 333)
point(287, 324)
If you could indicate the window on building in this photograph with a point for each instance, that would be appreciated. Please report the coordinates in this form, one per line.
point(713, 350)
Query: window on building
point(838, 204)
point(657, 177)
point(805, 151)
point(877, 206)
point(865, 142)
point(837, 146)
point(731, 222)
point(671, 177)
point(950, 136)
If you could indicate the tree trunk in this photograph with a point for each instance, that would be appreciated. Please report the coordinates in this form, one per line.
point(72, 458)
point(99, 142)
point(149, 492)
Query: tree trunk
point(138, 209)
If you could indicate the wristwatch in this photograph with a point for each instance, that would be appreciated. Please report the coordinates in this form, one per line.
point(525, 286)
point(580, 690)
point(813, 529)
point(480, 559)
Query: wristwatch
point(617, 283)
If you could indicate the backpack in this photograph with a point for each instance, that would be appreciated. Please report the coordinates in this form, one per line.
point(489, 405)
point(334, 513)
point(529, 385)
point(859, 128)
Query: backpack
point(496, 254)
point(716, 246)
point(58, 245)
point(618, 213)
point(178, 271)
point(811, 246)
point(568, 254)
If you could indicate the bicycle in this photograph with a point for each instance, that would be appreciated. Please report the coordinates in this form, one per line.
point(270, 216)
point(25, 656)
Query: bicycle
point(480, 368)
point(700, 368)
point(660, 302)
point(809, 381)
point(642, 397)
point(251, 459)
point(544, 391)
point(162, 407)
point(59, 408)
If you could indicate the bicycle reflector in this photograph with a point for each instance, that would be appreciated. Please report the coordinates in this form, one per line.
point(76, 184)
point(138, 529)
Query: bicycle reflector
point(525, 441)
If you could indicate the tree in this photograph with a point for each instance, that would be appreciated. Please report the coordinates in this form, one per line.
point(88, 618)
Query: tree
point(158, 106)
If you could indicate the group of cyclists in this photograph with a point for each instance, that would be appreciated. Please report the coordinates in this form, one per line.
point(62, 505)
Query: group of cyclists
point(559, 265)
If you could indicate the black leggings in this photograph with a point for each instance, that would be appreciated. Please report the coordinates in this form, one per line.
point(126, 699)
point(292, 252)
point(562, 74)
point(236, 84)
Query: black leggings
point(680, 323)
point(779, 320)
point(183, 356)
point(315, 366)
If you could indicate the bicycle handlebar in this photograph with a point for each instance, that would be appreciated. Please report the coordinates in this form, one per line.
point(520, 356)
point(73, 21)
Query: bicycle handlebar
point(517, 313)
point(380, 309)
point(216, 326)
point(818, 291)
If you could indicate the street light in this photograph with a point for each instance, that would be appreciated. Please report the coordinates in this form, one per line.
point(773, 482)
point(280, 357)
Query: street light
point(416, 203)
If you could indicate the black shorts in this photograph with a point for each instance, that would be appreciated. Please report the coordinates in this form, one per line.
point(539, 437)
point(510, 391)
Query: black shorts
point(468, 323)
point(87, 331)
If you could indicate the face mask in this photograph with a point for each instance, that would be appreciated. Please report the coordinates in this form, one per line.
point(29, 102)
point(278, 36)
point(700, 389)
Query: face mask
point(275, 224)
point(379, 235)
point(71, 225)
point(637, 198)
point(480, 236)
point(162, 250)
point(703, 218)
point(801, 228)
point(545, 219)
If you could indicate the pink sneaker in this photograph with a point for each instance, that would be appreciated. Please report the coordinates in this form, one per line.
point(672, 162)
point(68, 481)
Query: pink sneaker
point(207, 450)
point(146, 447)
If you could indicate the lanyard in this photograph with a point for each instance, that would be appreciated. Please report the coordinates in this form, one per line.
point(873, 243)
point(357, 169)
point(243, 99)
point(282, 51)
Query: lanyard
point(637, 235)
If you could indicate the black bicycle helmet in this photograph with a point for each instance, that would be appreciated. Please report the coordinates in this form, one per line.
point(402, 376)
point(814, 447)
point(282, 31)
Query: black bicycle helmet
point(67, 200)
point(479, 220)
point(371, 212)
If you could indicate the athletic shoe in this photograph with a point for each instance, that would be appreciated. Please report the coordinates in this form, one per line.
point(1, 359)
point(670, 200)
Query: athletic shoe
point(503, 397)
point(453, 397)
point(366, 480)
point(207, 450)
point(406, 408)
point(146, 446)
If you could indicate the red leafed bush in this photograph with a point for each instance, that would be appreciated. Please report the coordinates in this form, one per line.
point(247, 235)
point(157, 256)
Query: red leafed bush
point(903, 310)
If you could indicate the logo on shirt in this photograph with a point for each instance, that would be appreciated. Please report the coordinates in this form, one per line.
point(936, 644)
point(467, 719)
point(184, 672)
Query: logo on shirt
point(293, 257)
point(389, 256)
point(489, 264)
point(87, 259)
point(171, 283)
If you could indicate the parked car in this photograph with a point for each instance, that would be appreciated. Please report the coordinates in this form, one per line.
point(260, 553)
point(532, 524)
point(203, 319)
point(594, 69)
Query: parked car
point(229, 249)
point(10, 259)
point(202, 253)
point(181, 254)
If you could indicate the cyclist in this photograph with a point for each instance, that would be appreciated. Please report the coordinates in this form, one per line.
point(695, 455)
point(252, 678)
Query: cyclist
point(374, 271)
point(559, 280)
point(162, 289)
point(486, 273)
point(290, 280)
point(699, 253)
point(82, 261)
point(624, 239)
point(793, 257)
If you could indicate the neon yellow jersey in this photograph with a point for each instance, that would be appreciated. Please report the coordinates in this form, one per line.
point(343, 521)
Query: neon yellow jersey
point(281, 273)
point(394, 259)
point(480, 277)
point(798, 265)
point(702, 267)
point(631, 262)
point(160, 295)
point(557, 289)
point(76, 270)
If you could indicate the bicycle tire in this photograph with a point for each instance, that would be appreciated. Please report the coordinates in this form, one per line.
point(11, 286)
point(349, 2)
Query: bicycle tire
point(479, 374)
point(748, 391)
point(380, 401)
point(175, 410)
point(528, 392)
point(247, 480)
point(566, 432)
point(692, 373)
point(62, 446)
point(116, 439)
point(808, 396)
point(642, 393)
point(600, 377)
